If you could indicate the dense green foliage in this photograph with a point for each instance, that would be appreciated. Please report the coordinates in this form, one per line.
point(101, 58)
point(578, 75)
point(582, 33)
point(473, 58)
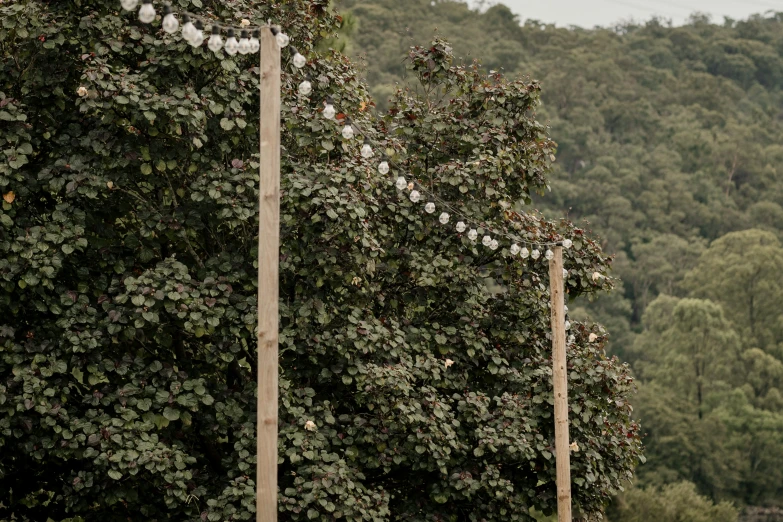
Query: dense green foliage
point(669, 144)
point(676, 502)
point(128, 287)
point(713, 372)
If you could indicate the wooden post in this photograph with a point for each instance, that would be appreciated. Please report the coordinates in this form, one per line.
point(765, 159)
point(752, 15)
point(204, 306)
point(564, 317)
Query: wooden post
point(560, 383)
point(268, 292)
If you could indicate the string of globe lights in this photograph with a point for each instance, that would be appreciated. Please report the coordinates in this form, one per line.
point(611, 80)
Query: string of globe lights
point(193, 27)
point(417, 192)
point(417, 189)
point(193, 32)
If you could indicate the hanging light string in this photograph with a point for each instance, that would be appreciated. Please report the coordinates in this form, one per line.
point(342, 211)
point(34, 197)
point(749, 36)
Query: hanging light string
point(417, 189)
point(193, 27)
point(193, 33)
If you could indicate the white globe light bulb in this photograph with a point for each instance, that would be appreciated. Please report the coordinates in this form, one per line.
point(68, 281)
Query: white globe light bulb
point(231, 46)
point(430, 207)
point(535, 254)
point(415, 196)
point(549, 254)
point(401, 183)
point(472, 235)
point(366, 151)
point(567, 325)
point(282, 39)
point(299, 61)
point(486, 241)
point(170, 23)
point(383, 167)
point(305, 88)
point(460, 227)
point(146, 13)
point(329, 111)
point(129, 5)
point(255, 45)
point(198, 36)
point(188, 29)
point(215, 42)
point(348, 131)
point(524, 252)
point(567, 243)
point(514, 249)
point(243, 47)
point(444, 218)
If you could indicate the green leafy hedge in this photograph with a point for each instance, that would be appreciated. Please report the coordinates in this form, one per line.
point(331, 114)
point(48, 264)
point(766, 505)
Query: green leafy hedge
point(128, 287)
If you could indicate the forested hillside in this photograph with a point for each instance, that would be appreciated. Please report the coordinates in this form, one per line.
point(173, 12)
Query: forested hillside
point(670, 146)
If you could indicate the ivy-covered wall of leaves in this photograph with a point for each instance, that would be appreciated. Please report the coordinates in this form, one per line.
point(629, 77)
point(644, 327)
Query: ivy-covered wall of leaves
point(128, 286)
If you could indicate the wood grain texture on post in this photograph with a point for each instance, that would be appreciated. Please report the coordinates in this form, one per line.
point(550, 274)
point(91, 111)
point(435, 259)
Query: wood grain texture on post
point(560, 385)
point(268, 291)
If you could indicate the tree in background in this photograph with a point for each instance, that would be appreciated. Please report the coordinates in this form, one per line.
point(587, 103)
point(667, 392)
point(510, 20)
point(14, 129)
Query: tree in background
point(128, 291)
point(673, 503)
point(742, 272)
point(710, 397)
point(669, 147)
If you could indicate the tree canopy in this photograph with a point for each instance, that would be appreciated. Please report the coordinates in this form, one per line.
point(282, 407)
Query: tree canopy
point(668, 149)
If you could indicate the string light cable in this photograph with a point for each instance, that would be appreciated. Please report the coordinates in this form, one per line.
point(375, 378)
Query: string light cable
point(193, 26)
point(193, 33)
point(418, 190)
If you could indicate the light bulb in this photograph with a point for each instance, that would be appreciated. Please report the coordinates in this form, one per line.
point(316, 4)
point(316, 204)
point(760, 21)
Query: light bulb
point(549, 255)
point(282, 39)
point(571, 339)
point(514, 249)
point(494, 244)
point(255, 45)
point(430, 207)
point(383, 167)
point(129, 5)
point(472, 234)
point(348, 131)
point(565, 276)
point(299, 60)
point(535, 254)
point(444, 218)
point(329, 111)
point(460, 227)
point(415, 196)
point(565, 307)
point(215, 42)
point(567, 243)
point(305, 88)
point(188, 29)
point(486, 241)
point(401, 183)
point(244, 44)
point(567, 325)
point(366, 150)
point(524, 252)
point(147, 12)
point(170, 23)
point(198, 35)
point(231, 45)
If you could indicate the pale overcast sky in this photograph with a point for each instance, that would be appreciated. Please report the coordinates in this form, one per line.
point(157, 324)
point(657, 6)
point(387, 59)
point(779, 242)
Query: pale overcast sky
point(590, 13)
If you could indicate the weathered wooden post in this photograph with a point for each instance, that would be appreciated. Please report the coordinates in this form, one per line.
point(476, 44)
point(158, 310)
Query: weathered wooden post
point(560, 384)
point(268, 280)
